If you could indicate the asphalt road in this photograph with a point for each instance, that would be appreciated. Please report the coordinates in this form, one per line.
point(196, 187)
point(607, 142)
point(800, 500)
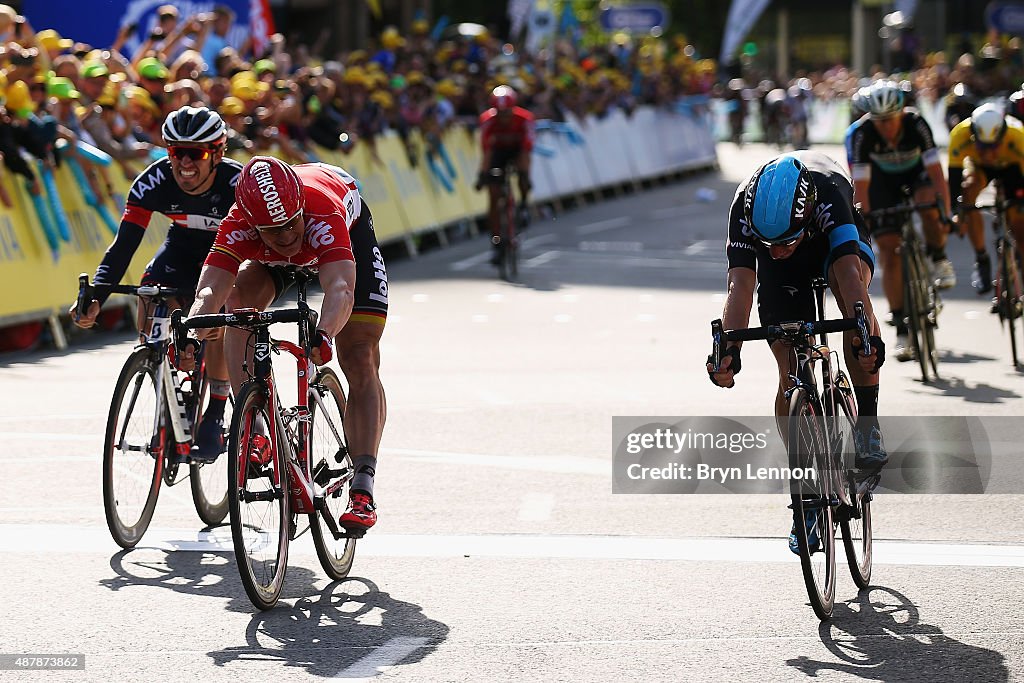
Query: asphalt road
point(501, 552)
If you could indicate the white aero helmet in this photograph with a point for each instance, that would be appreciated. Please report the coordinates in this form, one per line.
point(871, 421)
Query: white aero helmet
point(885, 98)
point(988, 123)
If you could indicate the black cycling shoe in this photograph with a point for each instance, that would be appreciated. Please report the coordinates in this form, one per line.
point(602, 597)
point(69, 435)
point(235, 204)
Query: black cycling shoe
point(209, 441)
point(981, 278)
point(496, 251)
point(871, 455)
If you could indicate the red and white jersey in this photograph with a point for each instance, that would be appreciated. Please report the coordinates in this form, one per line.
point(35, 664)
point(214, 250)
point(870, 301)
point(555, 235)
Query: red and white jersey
point(515, 132)
point(332, 206)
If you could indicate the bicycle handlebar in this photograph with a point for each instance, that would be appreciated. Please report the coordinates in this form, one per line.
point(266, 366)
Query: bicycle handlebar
point(85, 290)
point(790, 330)
point(84, 294)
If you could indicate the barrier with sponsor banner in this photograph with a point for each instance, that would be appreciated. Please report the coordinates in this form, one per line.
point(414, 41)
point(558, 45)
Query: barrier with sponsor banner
point(412, 187)
point(827, 120)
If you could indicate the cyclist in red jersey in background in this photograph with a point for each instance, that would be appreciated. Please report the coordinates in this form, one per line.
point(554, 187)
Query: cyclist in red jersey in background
point(506, 139)
point(311, 216)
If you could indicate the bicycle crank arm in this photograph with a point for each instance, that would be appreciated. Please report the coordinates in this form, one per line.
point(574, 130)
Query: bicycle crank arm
point(265, 496)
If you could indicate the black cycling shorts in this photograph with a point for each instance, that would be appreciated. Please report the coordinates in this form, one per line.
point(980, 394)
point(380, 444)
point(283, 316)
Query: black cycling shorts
point(784, 286)
point(371, 288)
point(888, 190)
point(179, 261)
point(503, 157)
point(1010, 178)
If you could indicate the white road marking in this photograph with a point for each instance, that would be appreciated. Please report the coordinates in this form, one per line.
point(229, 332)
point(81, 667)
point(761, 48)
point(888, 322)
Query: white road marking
point(972, 315)
point(480, 318)
point(609, 224)
point(697, 248)
point(536, 507)
point(541, 259)
point(471, 261)
point(632, 247)
point(66, 538)
point(495, 298)
point(559, 464)
point(420, 298)
point(674, 211)
point(563, 318)
point(382, 658)
point(646, 318)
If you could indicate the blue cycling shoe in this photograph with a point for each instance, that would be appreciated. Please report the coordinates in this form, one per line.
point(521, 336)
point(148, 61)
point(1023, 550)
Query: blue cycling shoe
point(871, 454)
point(811, 520)
point(209, 441)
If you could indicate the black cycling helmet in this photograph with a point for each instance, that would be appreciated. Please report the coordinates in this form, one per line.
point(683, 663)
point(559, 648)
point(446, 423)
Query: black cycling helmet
point(194, 126)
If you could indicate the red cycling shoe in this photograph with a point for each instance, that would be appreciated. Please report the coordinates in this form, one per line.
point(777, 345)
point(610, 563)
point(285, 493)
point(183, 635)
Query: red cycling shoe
point(360, 515)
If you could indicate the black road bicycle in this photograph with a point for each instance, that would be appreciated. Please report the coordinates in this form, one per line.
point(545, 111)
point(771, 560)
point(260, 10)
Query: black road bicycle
point(821, 423)
point(1008, 303)
point(921, 302)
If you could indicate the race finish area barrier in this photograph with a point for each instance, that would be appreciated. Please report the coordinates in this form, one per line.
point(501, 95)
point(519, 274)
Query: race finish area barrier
point(414, 187)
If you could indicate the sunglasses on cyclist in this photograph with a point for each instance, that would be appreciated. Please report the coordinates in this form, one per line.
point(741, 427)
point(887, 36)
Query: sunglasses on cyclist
point(787, 243)
point(193, 153)
point(274, 231)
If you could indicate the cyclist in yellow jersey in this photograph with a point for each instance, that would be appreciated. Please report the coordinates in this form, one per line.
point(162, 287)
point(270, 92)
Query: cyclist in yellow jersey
point(986, 147)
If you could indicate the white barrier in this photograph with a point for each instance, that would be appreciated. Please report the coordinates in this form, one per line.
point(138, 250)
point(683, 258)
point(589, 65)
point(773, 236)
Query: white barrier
point(827, 120)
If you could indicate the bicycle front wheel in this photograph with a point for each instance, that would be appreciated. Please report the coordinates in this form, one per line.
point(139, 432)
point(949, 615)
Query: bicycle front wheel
point(133, 450)
point(1010, 300)
point(854, 518)
point(813, 520)
point(332, 470)
point(258, 498)
point(914, 302)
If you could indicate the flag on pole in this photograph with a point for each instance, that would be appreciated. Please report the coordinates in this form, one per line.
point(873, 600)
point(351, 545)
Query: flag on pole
point(742, 16)
point(261, 24)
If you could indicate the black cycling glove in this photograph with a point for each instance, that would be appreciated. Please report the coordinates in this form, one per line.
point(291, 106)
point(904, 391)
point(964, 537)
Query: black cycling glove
point(878, 346)
point(731, 352)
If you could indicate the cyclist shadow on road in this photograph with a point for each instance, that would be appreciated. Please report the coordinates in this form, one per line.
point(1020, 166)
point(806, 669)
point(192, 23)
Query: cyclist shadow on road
point(879, 636)
point(978, 392)
point(209, 573)
point(338, 632)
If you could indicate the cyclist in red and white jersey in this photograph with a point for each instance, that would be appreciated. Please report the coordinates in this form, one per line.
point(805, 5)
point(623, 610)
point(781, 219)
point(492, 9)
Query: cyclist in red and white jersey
point(310, 216)
point(506, 138)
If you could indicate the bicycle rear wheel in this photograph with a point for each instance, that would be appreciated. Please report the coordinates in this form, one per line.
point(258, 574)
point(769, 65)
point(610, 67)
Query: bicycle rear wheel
point(854, 519)
point(258, 498)
point(1009, 302)
point(209, 481)
point(509, 263)
point(914, 304)
point(132, 452)
point(813, 518)
point(332, 470)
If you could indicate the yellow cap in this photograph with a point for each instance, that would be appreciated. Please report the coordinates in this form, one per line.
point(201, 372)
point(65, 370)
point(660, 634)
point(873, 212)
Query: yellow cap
point(51, 40)
point(232, 106)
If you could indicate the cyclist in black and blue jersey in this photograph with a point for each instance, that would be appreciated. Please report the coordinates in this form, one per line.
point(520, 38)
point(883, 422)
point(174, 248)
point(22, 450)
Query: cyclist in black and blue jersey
point(890, 150)
point(793, 221)
point(194, 186)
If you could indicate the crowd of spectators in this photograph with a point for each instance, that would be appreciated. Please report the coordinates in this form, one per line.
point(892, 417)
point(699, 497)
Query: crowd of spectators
point(290, 95)
point(995, 70)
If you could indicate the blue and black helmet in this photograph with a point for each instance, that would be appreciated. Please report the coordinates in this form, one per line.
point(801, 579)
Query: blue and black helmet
point(779, 200)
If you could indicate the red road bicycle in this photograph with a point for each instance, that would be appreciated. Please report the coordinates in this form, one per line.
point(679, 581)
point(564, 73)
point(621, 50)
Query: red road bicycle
point(284, 462)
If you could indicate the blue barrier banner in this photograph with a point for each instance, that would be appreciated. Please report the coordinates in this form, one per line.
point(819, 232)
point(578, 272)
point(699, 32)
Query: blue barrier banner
point(100, 24)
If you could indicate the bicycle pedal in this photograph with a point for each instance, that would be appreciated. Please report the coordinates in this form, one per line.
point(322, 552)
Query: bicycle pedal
point(352, 533)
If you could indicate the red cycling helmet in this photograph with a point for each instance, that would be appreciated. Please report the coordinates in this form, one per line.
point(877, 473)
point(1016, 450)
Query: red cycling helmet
point(503, 97)
point(269, 193)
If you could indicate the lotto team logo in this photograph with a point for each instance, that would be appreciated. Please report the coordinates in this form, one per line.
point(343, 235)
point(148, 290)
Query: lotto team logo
point(265, 181)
